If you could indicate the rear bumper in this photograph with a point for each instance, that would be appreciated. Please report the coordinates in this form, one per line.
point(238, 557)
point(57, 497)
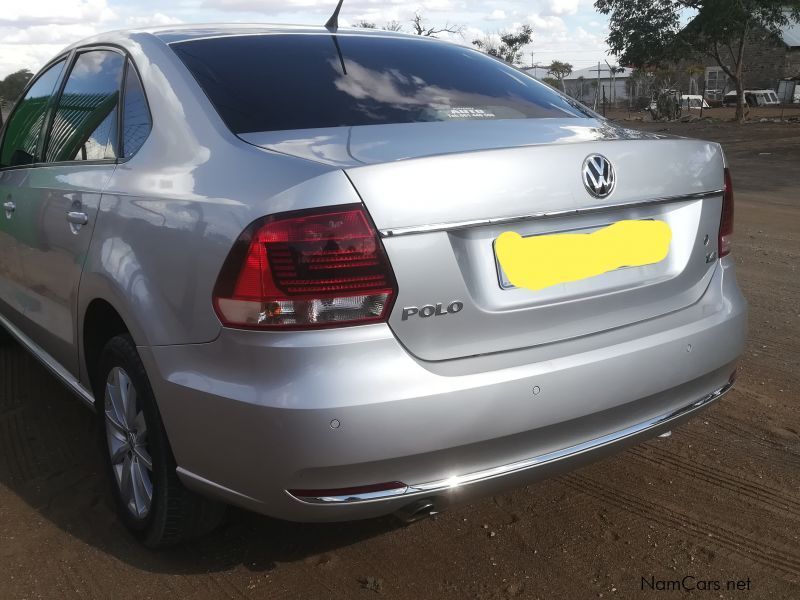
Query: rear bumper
point(249, 415)
point(595, 447)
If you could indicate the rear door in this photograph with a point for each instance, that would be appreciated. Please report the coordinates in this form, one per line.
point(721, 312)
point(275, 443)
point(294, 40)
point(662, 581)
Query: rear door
point(20, 150)
point(59, 199)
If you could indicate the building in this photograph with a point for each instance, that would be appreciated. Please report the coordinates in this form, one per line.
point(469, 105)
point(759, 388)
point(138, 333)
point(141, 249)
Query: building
point(769, 59)
point(582, 84)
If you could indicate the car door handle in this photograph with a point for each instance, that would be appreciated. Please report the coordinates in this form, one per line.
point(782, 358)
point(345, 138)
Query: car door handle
point(77, 218)
point(9, 207)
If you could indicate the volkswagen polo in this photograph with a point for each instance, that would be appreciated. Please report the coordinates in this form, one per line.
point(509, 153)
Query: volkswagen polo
point(269, 259)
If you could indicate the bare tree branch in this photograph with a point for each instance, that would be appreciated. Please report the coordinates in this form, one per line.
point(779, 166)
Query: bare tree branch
point(421, 28)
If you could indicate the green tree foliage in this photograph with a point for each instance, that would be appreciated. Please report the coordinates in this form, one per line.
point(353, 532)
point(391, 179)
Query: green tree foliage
point(511, 44)
point(560, 70)
point(11, 87)
point(646, 33)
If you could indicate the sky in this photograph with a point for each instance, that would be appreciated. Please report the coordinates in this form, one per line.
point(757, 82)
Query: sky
point(33, 31)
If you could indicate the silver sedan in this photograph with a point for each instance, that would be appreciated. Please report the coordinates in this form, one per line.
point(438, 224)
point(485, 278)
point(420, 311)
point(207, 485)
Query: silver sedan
point(272, 259)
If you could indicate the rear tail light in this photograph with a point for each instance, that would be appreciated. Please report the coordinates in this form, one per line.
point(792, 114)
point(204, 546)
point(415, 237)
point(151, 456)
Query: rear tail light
point(726, 219)
point(306, 270)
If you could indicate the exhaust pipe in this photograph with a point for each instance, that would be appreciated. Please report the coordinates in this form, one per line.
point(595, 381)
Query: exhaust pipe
point(416, 511)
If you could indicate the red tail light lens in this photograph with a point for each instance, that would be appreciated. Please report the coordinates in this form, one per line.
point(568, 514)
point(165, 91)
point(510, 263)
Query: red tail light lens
point(306, 269)
point(726, 220)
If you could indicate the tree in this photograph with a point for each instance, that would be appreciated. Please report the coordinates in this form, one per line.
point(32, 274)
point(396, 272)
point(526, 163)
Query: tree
point(614, 70)
point(419, 27)
point(560, 70)
point(551, 81)
point(648, 32)
point(511, 44)
point(11, 87)
point(389, 26)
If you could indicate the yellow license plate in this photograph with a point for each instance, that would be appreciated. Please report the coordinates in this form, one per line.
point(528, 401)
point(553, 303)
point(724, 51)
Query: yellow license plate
point(542, 261)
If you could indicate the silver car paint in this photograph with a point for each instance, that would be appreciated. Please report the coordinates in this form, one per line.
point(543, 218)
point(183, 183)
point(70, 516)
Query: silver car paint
point(413, 421)
point(248, 413)
point(51, 255)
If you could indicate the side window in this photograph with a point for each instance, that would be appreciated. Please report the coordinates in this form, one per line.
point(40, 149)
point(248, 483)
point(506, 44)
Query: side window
point(136, 123)
point(85, 122)
point(24, 128)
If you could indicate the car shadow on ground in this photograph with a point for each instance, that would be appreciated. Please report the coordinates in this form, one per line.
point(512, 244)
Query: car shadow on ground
point(50, 461)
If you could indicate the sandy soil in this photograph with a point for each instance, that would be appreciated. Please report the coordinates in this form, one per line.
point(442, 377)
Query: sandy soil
point(718, 501)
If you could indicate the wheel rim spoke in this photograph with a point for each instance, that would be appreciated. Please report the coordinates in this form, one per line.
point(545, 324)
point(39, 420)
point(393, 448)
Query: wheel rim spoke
point(126, 484)
point(119, 450)
point(144, 457)
point(140, 427)
point(128, 395)
point(115, 409)
point(117, 427)
point(142, 487)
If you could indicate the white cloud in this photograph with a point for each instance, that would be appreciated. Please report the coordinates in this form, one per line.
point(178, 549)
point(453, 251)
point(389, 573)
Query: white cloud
point(562, 7)
point(155, 20)
point(48, 34)
point(33, 31)
point(547, 23)
point(48, 12)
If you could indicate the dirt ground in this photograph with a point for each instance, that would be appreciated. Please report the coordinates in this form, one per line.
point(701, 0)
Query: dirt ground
point(718, 501)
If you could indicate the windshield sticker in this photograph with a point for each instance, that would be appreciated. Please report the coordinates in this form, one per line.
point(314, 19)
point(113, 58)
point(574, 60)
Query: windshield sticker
point(469, 112)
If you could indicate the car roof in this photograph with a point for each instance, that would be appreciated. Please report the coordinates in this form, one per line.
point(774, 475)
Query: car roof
point(172, 34)
point(184, 33)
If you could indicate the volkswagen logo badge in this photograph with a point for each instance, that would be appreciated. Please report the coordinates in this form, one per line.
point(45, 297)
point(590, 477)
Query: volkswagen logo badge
point(598, 176)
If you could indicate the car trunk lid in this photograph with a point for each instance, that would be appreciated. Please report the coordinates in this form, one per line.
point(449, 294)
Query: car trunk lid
point(440, 202)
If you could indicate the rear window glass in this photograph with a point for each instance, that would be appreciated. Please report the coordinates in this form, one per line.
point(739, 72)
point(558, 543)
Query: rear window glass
point(288, 81)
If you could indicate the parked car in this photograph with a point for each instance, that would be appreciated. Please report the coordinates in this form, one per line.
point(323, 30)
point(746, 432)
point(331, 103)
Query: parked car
point(752, 98)
point(265, 257)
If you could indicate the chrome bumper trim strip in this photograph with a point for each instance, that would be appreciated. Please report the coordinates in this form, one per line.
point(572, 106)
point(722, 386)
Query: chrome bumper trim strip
point(543, 215)
point(522, 465)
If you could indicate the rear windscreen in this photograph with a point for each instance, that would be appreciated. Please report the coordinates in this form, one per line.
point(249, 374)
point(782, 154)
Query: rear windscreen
point(292, 81)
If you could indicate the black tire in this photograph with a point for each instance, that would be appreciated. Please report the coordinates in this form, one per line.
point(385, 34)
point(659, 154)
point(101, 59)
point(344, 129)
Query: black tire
point(175, 514)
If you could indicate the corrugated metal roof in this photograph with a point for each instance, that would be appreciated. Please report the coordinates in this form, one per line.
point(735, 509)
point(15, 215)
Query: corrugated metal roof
point(591, 73)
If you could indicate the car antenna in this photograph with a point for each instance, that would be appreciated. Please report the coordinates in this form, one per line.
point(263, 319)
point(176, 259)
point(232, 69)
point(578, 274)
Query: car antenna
point(333, 23)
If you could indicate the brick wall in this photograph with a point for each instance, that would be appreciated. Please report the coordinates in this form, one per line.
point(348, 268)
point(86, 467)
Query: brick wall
point(792, 68)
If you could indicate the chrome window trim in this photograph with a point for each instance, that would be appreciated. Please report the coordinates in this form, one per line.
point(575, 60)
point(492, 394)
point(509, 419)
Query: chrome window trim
point(67, 58)
point(397, 231)
point(443, 485)
point(53, 110)
point(50, 363)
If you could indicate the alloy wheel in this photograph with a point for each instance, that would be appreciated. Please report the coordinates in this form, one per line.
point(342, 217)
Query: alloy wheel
point(126, 433)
